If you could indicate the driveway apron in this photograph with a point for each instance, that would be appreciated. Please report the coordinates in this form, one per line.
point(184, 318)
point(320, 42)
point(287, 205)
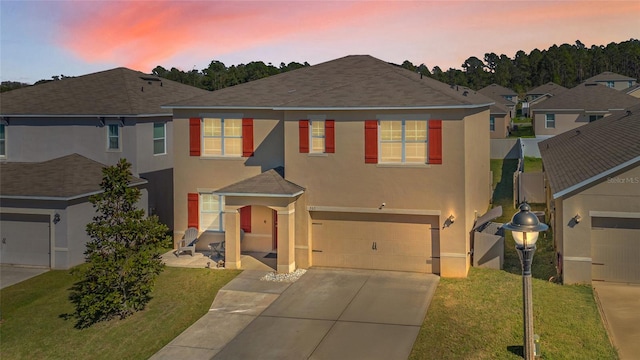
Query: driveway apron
point(339, 314)
point(620, 307)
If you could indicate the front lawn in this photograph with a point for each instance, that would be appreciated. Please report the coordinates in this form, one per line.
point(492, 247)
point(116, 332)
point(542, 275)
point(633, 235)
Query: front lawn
point(480, 317)
point(35, 325)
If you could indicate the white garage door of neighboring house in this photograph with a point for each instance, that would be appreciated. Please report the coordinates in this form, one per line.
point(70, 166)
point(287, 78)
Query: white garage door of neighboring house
point(374, 241)
point(24, 239)
point(615, 249)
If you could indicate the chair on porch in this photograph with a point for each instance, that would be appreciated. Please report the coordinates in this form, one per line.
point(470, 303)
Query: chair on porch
point(188, 242)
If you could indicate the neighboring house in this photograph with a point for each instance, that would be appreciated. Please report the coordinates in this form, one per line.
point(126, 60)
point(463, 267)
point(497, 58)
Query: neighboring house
point(578, 106)
point(499, 121)
point(592, 177)
point(612, 80)
point(540, 94)
point(103, 116)
point(44, 210)
point(352, 163)
point(502, 95)
point(633, 91)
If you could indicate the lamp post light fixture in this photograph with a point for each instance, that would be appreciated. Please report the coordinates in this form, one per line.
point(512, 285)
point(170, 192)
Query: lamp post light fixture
point(525, 228)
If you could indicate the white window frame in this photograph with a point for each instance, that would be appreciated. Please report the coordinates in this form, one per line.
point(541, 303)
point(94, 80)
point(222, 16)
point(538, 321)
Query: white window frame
point(117, 126)
point(313, 136)
point(492, 123)
point(163, 138)
point(403, 141)
point(202, 213)
point(547, 120)
point(222, 136)
point(3, 142)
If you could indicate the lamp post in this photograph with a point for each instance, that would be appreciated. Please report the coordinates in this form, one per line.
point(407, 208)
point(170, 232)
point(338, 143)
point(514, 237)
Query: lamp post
point(525, 228)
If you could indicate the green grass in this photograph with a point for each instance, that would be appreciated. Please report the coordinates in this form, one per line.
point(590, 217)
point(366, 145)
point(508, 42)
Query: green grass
point(480, 317)
point(523, 130)
point(35, 325)
point(532, 164)
point(521, 120)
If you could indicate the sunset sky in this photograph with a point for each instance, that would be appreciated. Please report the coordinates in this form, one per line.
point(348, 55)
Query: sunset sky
point(39, 39)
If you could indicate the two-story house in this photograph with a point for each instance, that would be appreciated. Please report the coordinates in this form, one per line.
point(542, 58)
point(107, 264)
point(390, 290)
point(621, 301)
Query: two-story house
point(502, 95)
point(352, 163)
point(540, 94)
point(612, 80)
point(592, 178)
point(103, 117)
point(578, 106)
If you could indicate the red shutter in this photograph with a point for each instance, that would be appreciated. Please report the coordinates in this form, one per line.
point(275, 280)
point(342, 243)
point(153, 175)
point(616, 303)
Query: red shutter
point(245, 219)
point(247, 137)
point(192, 210)
point(371, 141)
point(329, 136)
point(435, 141)
point(304, 136)
point(194, 136)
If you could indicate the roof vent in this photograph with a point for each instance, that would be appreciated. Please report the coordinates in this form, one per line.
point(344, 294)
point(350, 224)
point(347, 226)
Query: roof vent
point(465, 93)
point(149, 78)
point(578, 132)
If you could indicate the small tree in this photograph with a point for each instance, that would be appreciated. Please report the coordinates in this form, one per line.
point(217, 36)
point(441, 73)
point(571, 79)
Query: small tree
point(123, 253)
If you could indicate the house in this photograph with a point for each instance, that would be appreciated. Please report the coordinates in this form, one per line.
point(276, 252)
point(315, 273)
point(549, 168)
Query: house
point(592, 178)
point(352, 163)
point(633, 91)
point(540, 94)
point(502, 95)
point(103, 116)
point(578, 106)
point(499, 121)
point(612, 80)
point(44, 210)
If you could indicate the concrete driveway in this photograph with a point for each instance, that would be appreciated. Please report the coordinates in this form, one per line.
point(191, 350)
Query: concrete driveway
point(620, 306)
point(10, 275)
point(326, 314)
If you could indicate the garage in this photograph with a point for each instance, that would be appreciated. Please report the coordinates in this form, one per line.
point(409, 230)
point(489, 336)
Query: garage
point(25, 239)
point(615, 249)
point(375, 241)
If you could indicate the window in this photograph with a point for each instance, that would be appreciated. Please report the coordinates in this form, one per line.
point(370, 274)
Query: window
point(593, 118)
point(508, 97)
point(222, 137)
point(317, 136)
point(492, 123)
point(159, 138)
point(210, 212)
point(403, 141)
point(630, 83)
point(3, 142)
point(550, 121)
point(113, 137)
point(610, 84)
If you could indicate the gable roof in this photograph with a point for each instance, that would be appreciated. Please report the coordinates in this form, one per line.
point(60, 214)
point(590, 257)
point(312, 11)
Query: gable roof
point(270, 183)
point(589, 97)
point(352, 82)
point(115, 92)
point(548, 88)
point(581, 156)
point(608, 76)
point(65, 178)
point(497, 92)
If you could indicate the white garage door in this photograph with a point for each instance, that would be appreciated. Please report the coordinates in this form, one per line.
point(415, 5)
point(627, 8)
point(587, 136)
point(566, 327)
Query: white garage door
point(615, 249)
point(374, 241)
point(24, 239)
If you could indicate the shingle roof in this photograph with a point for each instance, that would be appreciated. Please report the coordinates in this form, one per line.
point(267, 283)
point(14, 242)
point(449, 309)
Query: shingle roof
point(548, 88)
point(577, 157)
point(497, 92)
point(589, 97)
point(118, 91)
point(269, 183)
point(68, 177)
point(357, 81)
point(608, 76)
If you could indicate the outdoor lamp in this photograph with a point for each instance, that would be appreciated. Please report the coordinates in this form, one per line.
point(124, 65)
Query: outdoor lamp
point(525, 228)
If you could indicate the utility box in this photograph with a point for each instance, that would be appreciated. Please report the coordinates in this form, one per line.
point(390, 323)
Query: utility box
point(488, 246)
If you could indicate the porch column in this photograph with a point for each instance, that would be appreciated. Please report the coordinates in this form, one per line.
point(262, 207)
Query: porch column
point(232, 238)
point(286, 239)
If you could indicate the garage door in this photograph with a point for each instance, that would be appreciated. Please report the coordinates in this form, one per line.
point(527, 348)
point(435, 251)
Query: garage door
point(615, 249)
point(24, 239)
point(374, 241)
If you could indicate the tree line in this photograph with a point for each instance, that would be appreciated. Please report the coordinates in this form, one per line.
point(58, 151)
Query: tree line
point(566, 65)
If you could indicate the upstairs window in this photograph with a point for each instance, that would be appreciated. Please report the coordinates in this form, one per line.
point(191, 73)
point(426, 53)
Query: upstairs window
point(593, 118)
point(113, 137)
point(550, 121)
point(3, 142)
point(317, 136)
point(492, 123)
point(222, 137)
point(403, 141)
point(610, 84)
point(159, 138)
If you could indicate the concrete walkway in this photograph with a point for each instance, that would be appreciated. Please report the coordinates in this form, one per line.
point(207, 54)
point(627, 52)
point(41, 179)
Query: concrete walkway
point(326, 314)
point(620, 308)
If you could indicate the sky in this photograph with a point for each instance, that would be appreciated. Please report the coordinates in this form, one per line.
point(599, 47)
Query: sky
point(44, 38)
